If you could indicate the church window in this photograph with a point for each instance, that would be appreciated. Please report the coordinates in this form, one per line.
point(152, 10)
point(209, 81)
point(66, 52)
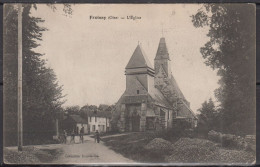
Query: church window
point(137, 91)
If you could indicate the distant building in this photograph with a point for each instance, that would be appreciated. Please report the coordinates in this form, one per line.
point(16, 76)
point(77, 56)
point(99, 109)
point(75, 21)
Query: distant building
point(98, 121)
point(75, 122)
point(91, 122)
point(152, 99)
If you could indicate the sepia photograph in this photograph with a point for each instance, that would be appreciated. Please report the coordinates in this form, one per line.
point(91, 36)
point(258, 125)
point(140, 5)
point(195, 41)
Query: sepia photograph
point(129, 84)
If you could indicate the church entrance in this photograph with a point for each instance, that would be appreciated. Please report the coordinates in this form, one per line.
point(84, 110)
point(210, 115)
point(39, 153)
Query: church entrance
point(136, 123)
point(132, 120)
point(150, 123)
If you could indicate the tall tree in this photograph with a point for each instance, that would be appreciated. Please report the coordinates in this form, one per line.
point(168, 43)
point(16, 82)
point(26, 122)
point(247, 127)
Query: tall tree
point(72, 110)
point(208, 117)
point(42, 95)
point(231, 50)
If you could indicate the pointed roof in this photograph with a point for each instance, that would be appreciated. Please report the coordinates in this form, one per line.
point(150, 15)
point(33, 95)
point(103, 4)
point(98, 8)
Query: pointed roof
point(162, 51)
point(138, 59)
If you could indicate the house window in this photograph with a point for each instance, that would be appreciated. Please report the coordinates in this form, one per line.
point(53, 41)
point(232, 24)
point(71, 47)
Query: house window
point(93, 128)
point(137, 91)
point(195, 123)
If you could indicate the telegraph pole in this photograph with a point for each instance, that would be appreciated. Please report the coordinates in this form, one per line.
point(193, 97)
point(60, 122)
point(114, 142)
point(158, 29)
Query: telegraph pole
point(20, 80)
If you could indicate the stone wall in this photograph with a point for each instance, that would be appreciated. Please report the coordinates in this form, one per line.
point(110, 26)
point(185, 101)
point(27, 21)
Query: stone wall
point(121, 122)
point(143, 117)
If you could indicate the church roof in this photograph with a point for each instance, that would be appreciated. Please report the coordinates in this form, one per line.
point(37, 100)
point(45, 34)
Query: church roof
point(159, 97)
point(176, 87)
point(153, 94)
point(139, 59)
point(195, 116)
point(180, 94)
point(162, 51)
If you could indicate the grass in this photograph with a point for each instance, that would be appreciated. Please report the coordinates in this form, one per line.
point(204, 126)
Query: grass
point(31, 155)
point(132, 146)
point(192, 150)
point(48, 155)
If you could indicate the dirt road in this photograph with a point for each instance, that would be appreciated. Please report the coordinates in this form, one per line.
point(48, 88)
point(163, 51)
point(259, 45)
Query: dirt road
point(90, 152)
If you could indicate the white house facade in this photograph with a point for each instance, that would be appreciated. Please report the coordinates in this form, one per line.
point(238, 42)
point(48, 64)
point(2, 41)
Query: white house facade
point(102, 124)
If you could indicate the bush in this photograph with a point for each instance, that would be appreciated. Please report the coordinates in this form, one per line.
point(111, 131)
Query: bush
point(215, 136)
point(192, 150)
point(232, 141)
point(159, 145)
point(228, 141)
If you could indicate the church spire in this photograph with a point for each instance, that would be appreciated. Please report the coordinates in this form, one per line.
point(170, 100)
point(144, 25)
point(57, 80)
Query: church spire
point(162, 58)
point(162, 51)
point(138, 59)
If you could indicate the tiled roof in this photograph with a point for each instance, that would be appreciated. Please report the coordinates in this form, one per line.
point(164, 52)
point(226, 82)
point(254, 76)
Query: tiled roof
point(159, 97)
point(176, 87)
point(139, 59)
point(162, 51)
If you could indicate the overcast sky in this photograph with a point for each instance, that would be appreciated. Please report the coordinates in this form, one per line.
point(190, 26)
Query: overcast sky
point(89, 56)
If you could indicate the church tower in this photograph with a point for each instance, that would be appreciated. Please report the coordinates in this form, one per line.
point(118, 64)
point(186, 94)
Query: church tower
point(139, 74)
point(162, 63)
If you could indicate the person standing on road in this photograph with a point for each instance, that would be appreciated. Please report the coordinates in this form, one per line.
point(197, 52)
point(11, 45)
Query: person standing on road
point(97, 137)
point(81, 134)
point(72, 136)
point(65, 136)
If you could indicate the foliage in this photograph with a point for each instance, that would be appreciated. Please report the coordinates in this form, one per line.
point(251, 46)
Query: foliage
point(231, 50)
point(132, 146)
point(72, 110)
point(42, 94)
point(67, 9)
point(103, 109)
point(91, 108)
point(208, 117)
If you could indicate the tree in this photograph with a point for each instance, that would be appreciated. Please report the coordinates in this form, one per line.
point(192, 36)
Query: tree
point(42, 94)
point(208, 116)
point(231, 51)
point(72, 110)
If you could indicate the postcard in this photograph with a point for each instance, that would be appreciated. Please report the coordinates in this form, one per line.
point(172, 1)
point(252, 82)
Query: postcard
point(129, 84)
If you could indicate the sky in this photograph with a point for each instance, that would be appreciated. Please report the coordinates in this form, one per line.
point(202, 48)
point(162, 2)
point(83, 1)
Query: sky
point(89, 55)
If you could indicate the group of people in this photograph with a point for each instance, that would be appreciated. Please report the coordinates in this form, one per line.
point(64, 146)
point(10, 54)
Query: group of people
point(81, 134)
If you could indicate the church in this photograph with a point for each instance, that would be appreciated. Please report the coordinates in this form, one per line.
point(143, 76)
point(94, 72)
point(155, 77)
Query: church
point(152, 99)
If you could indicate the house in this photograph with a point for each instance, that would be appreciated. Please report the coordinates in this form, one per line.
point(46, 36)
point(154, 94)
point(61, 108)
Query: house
point(152, 99)
point(99, 121)
point(75, 122)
